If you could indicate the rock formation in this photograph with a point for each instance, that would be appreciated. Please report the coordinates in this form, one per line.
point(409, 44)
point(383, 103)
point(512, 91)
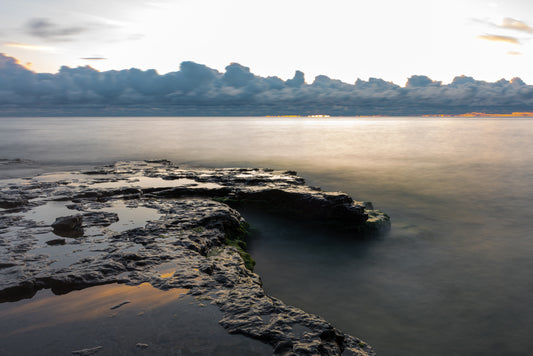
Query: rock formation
point(197, 234)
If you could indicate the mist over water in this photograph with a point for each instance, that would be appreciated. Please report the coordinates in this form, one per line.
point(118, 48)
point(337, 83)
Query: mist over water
point(452, 277)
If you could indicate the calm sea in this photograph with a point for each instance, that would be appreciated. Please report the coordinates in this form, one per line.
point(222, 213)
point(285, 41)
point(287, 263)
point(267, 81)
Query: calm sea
point(453, 277)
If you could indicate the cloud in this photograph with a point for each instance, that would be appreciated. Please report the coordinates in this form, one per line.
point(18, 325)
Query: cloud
point(136, 37)
point(45, 29)
point(10, 66)
point(27, 46)
point(237, 75)
point(512, 24)
point(499, 38)
point(297, 81)
point(420, 81)
point(93, 58)
point(514, 53)
point(507, 23)
point(196, 89)
point(517, 81)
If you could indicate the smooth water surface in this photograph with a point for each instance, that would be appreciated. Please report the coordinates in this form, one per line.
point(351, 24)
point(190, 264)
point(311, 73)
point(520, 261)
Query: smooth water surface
point(117, 319)
point(452, 277)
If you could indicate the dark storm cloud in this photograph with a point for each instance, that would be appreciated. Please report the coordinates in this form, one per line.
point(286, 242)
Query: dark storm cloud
point(421, 81)
point(46, 29)
point(199, 90)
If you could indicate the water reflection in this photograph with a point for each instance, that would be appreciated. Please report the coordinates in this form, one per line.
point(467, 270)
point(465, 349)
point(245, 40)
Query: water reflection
point(39, 239)
point(45, 311)
point(165, 321)
point(130, 217)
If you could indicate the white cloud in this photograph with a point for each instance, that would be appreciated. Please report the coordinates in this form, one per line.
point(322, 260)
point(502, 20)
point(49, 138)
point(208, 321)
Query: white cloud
point(499, 38)
point(512, 24)
point(28, 46)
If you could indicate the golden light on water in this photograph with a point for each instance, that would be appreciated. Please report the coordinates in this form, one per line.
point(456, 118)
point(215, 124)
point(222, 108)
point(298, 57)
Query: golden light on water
point(90, 303)
point(167, 274)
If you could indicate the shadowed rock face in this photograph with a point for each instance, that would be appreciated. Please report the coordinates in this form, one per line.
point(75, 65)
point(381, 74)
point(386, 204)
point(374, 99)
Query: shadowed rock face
point(197, 236)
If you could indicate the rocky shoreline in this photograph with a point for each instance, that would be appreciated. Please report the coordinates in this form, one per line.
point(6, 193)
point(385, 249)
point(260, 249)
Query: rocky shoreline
point(191, 237)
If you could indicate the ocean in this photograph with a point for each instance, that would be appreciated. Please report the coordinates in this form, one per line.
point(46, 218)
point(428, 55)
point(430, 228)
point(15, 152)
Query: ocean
point(453, 276)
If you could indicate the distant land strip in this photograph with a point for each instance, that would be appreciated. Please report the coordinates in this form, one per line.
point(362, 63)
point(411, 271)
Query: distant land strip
point(482, 114)
point(470, 114)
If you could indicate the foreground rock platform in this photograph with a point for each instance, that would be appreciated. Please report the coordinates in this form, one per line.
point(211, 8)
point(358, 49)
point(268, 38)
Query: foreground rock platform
point(186, 234)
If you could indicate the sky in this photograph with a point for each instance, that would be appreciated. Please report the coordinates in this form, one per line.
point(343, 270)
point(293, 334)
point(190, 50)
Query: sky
point(343, 39)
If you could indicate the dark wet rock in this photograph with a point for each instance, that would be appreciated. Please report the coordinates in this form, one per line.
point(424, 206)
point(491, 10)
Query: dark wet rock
point(10, 201)
point(110, 268)
point(75, 206)
point(99, 218)
point(283, 347)
point(332, 208)
point(7, 264)
point(368, 205)
point(13, 292)
point(120, 304)
point(163, 161)
point(68, 226)
point(7, 220)
point(141, 346)
point(87, 352)
point(198, 234)
point(95, 172)
point(55, 242)
point(188, 192)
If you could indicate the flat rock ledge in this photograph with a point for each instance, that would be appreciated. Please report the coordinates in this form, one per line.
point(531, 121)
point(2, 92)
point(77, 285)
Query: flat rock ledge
point(198, 237)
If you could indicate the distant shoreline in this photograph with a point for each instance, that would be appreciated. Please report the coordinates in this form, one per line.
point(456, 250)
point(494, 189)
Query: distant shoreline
point(125, 113)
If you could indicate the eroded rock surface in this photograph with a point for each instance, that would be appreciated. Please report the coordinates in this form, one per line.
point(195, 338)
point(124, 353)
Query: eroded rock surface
point(190, 238)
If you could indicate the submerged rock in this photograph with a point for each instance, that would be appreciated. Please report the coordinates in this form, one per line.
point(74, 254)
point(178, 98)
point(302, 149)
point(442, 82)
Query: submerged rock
point(141, 346)
point(55, 242)
point(198, 234)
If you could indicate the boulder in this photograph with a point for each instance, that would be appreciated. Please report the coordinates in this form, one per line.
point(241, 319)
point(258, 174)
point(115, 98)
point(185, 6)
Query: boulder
point(68, 226)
